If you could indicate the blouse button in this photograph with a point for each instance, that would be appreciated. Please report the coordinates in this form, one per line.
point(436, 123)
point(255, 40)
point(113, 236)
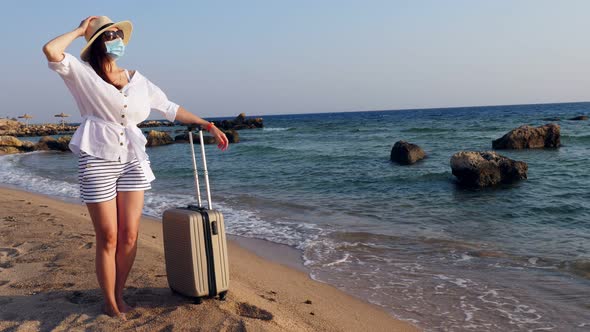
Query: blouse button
point(125, 106)
point(121, 144)
point(121, 134)
point(122, 115)
point(122, 124)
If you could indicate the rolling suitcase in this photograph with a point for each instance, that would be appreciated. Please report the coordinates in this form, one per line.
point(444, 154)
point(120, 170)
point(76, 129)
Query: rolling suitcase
point(195, 246)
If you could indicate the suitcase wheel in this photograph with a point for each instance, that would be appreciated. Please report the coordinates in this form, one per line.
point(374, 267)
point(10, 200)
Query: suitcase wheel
point(223, 295)
point(198, 300)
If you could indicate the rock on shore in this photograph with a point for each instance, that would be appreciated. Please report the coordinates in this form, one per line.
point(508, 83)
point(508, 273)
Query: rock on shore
point(19, 129)
point(528, 137)
point(7, 124)
point(155, 123)
point(10, 127)
point(483, 169)
point(406, 153)
point(11, 144)
point(157, 138)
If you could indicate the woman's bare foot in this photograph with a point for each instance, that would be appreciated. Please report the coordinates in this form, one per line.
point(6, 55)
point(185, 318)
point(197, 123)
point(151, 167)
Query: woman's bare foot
point(113, 312)
point(123, 306)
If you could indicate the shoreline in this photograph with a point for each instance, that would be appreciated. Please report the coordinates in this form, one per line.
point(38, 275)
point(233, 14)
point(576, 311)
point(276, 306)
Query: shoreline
point(48, 258)
point(274, 252)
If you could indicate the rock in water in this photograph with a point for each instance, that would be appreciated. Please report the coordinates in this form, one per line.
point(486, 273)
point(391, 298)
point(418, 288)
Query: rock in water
point(10, 141)
point(241, 122)
point(483, 169)
point(580, 118)
point(10, 144)
point(406, 153)
point(155, 138)
point(527, 137)
point(196, 140)
point(232, 136)
point(50, 143)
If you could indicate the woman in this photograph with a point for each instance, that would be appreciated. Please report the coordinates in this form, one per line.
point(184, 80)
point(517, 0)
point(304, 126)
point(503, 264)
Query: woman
point(114, 169)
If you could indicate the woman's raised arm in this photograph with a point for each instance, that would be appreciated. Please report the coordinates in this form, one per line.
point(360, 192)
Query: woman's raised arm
point(55, 48)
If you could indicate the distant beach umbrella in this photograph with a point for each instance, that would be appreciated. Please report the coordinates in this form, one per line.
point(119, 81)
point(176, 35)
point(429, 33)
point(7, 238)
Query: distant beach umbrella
point(62, 115)
point(26, 117)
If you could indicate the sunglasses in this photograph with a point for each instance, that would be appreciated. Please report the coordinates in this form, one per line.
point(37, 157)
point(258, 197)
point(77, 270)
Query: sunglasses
point(112, 35)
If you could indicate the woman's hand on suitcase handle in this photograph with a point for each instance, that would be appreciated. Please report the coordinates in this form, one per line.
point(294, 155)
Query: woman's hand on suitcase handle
point(220, 138)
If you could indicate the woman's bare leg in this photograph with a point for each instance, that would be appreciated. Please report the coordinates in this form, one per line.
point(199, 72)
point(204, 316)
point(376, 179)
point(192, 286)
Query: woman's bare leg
point(104, 219)
point(129, 207)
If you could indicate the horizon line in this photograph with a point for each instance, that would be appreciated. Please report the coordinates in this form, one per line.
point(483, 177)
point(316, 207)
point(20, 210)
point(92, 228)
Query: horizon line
point(353, 111)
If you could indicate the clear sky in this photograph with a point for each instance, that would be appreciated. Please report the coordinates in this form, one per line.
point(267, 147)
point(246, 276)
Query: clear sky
point(220, 58)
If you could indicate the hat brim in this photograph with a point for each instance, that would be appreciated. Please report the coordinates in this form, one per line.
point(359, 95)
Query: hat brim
point(127, 28)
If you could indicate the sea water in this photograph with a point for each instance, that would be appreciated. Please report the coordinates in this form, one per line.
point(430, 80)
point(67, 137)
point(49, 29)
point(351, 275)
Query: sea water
point(407, 238)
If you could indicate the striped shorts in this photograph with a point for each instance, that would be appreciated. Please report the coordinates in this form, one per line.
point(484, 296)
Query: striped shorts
point(100, 179)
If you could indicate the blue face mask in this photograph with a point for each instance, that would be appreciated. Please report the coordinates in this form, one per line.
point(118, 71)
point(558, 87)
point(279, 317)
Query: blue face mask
point(115, 48)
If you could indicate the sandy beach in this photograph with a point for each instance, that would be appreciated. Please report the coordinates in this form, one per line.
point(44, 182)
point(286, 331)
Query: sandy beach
point(47, 283)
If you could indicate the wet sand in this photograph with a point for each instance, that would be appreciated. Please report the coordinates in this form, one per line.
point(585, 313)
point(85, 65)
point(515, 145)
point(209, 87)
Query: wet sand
point(47, 282)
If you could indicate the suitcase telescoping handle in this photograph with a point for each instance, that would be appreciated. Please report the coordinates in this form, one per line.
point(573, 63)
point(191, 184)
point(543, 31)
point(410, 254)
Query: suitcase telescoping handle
point(205, 172)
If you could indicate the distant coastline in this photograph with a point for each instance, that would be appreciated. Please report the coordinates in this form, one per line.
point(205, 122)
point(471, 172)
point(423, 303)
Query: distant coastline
point(221, 118)
point(13, 127)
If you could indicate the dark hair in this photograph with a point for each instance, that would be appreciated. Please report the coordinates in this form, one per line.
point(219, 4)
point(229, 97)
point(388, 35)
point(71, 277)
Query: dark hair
point(99, 60)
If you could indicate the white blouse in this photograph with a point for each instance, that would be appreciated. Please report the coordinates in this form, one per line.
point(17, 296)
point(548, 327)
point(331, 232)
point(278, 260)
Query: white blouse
point(110, 116)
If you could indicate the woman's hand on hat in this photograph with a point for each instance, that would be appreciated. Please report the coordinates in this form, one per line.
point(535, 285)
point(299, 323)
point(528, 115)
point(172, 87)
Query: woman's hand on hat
point(84, 25)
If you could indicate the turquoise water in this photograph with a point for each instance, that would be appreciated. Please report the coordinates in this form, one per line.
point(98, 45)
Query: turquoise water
point(516, 257)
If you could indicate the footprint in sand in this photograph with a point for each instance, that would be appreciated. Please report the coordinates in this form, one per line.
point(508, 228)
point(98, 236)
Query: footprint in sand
point(4, 282)
point(5, 255)
point(6, 265)
point(8, 252)
point(252, 311)
point(64, 285)
point(78, 297)
point(53, 265)
point(268, 298)
point(86, 246)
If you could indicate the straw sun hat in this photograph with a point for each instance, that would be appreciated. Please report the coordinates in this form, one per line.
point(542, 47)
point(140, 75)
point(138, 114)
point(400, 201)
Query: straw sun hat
point(100, 24)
